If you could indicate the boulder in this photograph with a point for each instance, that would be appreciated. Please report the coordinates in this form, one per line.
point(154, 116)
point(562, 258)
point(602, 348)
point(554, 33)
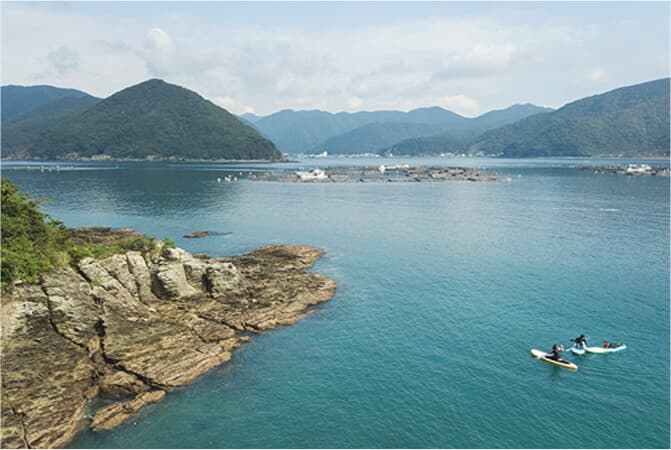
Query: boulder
point(117, 266)
point(138, 267)
point(221, 277)
point(170, 281)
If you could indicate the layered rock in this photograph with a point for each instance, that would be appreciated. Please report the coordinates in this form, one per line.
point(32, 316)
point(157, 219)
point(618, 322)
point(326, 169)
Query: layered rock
point(113, 415)
point(130, 324)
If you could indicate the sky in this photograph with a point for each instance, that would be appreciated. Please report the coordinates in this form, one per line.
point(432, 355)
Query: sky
point(262, 57)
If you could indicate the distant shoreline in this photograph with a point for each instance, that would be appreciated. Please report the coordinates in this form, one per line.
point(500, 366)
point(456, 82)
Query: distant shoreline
point(293, 160)
point(233, 161)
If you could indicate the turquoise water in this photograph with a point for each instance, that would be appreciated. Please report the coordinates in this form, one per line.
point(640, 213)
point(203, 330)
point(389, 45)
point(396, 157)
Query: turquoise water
point(443, 289)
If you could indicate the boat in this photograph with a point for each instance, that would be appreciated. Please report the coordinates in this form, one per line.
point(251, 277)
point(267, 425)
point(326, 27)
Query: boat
point(638, 169)
point(543, 356)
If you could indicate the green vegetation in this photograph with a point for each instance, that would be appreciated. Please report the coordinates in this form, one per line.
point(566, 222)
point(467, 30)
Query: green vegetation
point(19, 135)
point(33, 243)
point(629, 121)
point(431, 145)
point(376, 136)
point(308, 131)
point(158, 120)
point(143, 244)
point(18, 101)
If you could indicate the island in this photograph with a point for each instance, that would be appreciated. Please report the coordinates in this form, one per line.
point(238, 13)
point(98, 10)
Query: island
point(402, 173)
point(134, 325)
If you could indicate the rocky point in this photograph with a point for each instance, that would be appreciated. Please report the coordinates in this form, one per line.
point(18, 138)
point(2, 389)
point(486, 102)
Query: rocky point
point(131, 327)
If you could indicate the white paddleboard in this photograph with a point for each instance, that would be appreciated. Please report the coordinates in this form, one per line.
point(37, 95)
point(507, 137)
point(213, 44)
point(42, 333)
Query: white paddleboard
point(578, 351)
point(605, 350)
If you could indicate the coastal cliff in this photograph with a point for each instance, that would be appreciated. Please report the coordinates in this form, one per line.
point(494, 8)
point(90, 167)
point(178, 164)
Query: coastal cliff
point(130, 327)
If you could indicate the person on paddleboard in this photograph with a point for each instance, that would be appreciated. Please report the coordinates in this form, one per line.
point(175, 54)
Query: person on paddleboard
point(580, 341)
point(555, 353)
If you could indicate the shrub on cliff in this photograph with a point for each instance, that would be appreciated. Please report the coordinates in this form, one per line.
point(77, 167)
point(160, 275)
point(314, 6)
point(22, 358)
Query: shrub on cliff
point(143, 244)
point(32, 242)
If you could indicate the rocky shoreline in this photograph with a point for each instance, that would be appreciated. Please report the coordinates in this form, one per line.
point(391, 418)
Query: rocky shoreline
point(131, 327)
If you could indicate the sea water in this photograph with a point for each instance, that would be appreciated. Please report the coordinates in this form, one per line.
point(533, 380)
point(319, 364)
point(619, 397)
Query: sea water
point(443, 288)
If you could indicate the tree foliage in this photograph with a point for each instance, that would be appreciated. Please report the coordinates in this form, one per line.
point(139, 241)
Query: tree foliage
point(31, 241)
point(633, 120)
point(19, 135)
point(154, 119)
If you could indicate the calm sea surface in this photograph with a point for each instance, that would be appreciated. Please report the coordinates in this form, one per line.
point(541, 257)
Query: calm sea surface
point(443, 289)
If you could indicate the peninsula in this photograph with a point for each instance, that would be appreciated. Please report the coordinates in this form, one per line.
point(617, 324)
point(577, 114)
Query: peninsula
point(135, 325)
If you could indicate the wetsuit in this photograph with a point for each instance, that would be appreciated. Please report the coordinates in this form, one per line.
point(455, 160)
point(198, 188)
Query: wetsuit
point(580, 342)
point(555, 354)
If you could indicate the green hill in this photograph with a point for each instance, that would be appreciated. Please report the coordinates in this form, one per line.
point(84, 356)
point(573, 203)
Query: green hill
point(630, 121)
point(376, 136)
point(307, 131)
point(428, 145)
point(456, 139)
point(17, 101)
point(154, 119)
point(20, 134)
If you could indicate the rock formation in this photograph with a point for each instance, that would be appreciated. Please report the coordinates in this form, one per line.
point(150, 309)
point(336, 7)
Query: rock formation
point(131, 327)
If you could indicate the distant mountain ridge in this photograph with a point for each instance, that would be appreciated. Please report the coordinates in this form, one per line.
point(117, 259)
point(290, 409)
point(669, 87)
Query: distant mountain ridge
point(378, 138)
point(151, 120)
point(373, 137)
point(157, 120)
point(457, 140)
point(19, 134)
point(631, 120)
point(304, 131)
point(17, 101)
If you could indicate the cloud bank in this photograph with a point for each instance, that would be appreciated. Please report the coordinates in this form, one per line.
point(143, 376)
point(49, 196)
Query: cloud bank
point(468, 63)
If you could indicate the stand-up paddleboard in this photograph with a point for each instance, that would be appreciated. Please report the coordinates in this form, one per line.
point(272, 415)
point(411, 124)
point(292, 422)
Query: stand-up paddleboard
point(606, 350)
point(539, 354)
point(578, 351)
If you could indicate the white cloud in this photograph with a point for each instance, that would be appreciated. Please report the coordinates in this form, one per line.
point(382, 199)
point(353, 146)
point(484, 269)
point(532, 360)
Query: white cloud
point(226, 102)
point(596, 75)
point(354, 102)
point(461, 104)
point(243, 62)
point(159, 52)
point(159, 40)
point(63, 60)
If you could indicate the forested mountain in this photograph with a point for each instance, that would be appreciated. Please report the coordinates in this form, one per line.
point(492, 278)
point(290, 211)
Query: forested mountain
point(376, 136)
point(157, 120)
point(249, 117)
point(153, 119)
point(457, 138)
point(18, 101)
point(19, 134)
point(372, 131)
point(305, 131)
point(632, 120)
